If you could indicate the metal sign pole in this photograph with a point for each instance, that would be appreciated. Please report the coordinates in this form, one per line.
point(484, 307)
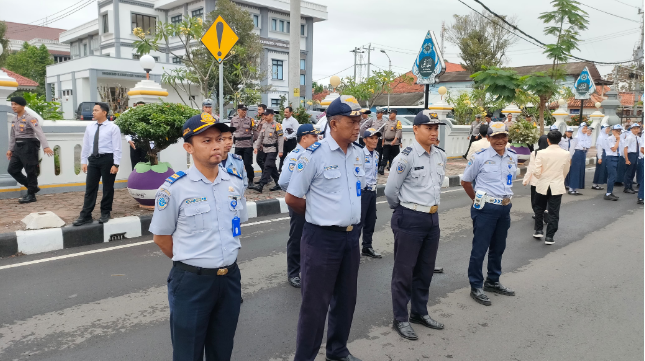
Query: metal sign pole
point(426, 96)
point(221, 91)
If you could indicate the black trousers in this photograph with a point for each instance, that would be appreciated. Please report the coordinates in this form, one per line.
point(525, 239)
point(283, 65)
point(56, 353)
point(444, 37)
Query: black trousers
point(98, 169)
point(293, 244)
point(472, 139)
point(379, 149)
point(630, 170)
point(25, 155)
point(204, 310)
point(260, 158)
point(270, 169)
point(137, 155)
point(289, 145)
point(247, 157)
point(389, 153)
point(533, 194)
point(368, 216)
point(552, 204)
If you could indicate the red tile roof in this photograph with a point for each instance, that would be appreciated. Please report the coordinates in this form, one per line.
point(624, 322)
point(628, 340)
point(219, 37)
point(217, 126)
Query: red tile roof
point(26, 32)
point(626, 99)
point(320, 96)
point(400, 87)
point(22, 81)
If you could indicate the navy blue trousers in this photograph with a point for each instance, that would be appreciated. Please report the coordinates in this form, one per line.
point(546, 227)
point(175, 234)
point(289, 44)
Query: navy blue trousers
point(329, 263)
point(612, 167)
point(577, 171)
point(296, 223)
point(620, 170)
point(204, 310)
point(416, 240)
point(630, 170)
point(490, 227)
point(368, 216)
point(639, 177)
point(600, 175)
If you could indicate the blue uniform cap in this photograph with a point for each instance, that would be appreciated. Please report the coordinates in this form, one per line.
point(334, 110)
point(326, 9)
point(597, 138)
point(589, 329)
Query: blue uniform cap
point(370, 132)
point(208, 102)
point(305, 129)
point(427, 117)
point(617, 127)
point(636, 125)
point(495, 128)
point(570, 129)
point(344, 105)
point(554, 127)
point(199, 123)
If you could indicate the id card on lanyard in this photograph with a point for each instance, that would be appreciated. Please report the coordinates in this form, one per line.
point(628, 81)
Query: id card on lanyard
point(236, 226)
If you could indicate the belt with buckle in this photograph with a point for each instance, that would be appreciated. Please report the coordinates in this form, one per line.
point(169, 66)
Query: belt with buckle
point(499, 201)
point(339, 228)
point(420, 208)
point(371, 188)
point(100, 155)
point(204, 271)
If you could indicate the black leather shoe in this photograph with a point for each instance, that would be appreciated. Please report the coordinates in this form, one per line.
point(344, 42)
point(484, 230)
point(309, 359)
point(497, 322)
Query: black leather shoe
point(629, 191)
point(27, 199)
point(349, 357)
point(538, 233)
point(405, 330)
point(610, 197)
point(438, 270)
point(381, 170)
point(257, 188)
point(549, 241)
point(81, 221)
point(275, 188)
point(370, 252)
point(426, 321)
point(497, 287)
point(478, 295)
point(640, 201)
point(105, 217)
point(295, 281)
point(598, 188)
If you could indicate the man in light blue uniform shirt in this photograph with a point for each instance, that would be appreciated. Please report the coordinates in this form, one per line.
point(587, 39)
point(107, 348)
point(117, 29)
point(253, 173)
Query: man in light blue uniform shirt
point(196, 222)
point(232, 162)
point(368, 197)
point(305, 136)
point(493, 170)
point(327, 186)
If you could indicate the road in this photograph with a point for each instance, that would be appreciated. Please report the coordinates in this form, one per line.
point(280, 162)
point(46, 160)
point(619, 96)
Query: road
point(581, 298)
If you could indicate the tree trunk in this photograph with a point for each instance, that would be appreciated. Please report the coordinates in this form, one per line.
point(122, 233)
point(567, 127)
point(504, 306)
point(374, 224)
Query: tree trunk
point(542, 104)
point(152, 154)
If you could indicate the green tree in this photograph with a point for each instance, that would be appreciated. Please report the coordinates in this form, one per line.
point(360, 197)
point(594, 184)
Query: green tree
point(4, 42)
point(568, 20)
point(31, 62)
point(47, 110)
point(481, 42)
point(318, 88)
point(500, 83)
point(381, 82)
point(543, 87)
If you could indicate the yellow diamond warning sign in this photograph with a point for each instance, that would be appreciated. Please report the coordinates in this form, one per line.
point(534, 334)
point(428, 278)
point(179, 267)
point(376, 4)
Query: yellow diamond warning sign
point(219, 39)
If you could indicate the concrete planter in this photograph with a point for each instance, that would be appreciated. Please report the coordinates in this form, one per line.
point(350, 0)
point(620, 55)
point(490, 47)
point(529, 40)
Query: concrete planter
point(523, 152)
point(144, 181)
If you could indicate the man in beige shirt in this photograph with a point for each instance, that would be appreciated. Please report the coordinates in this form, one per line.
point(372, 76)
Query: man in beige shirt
point(551, 167)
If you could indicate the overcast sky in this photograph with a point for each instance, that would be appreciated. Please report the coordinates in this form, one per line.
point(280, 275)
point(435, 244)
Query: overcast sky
point(399, 26)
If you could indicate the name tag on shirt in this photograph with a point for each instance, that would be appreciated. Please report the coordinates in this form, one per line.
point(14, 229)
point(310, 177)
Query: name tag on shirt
point(418, 168)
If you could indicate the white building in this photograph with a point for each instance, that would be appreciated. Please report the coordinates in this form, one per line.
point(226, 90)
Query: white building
point(35, 35)
point(102, 51)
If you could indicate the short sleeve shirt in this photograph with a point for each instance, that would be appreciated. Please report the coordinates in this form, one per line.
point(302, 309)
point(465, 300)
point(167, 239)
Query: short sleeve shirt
point(492, 173)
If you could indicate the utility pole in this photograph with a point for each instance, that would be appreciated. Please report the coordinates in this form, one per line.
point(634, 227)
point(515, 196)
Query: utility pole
point(443, 30)
point(369, 49)
point(293, 96)
point(355, 51)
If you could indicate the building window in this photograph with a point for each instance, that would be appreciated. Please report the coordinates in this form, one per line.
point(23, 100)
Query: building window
point(274, 24)
point(282, 26)
point(256, 21)
point(147, 23)
point(198, 12)
point(277, 69)
point(176, 60)
point(302, 29)
point(176, 19)
point(106, 25)
point(288, 26)
point(302, 79)
point(275, 103)
point(85, 53)
point(303, 64)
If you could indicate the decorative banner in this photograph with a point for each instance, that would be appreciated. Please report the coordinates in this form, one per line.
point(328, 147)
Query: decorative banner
point(429, 64)
point(584, 86)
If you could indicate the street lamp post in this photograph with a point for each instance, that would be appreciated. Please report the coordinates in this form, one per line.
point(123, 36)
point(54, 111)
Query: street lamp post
point(390, 69)
point(147, 63)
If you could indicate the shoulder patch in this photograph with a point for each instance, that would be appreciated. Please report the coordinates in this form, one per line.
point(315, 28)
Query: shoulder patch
point(252, 122)
point(359, 145)
point(407, 151)
point(312, 148)
point(481, 151)
point(278, 126)
point(398, 125)
point(296, 151)
point(233, 172)
point(173, 178)
point(511, 150)
point(236, 156)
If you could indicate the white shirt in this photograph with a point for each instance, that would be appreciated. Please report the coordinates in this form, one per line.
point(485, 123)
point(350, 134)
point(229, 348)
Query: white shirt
point(641, 141)
point(632, 143)
point(371, 167)
point(109, 141)
point(290, 123)
point(609, 142)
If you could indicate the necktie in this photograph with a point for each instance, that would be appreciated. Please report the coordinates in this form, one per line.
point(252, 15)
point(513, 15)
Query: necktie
point(95, 150)
point(569, 144)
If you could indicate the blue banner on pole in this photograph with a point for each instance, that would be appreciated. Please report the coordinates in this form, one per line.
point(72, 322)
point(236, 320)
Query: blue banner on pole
point(429, 64)
point(584, 85)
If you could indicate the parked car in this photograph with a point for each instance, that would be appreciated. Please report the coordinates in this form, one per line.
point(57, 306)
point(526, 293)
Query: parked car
point(85, 109)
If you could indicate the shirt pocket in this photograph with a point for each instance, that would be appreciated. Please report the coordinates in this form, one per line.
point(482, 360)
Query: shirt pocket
point(332, 180)
point(491, 173)
point(197, 216)
point(235, 203)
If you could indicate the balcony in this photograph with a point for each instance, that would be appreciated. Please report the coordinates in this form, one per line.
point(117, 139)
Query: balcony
point(80, 32)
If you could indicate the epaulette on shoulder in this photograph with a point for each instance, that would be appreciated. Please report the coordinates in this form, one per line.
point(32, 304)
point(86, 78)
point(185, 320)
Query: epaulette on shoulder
point(233, 172)
point(441, 149)
point(312, 148)
point(236, 156)
point(407, 150)
point(511, 150)
point(173, 178)
point(481, 151)
point(359, 145)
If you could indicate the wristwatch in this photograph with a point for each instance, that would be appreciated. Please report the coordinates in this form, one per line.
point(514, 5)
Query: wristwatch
point(115, 165)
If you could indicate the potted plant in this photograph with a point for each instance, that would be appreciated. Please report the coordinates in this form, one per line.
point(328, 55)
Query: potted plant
point(521, 134)
point(158, 123)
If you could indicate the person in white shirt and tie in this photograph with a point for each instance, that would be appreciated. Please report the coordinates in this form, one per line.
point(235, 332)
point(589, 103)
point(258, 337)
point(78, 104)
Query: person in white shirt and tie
point(100, 159)
point(290, 126)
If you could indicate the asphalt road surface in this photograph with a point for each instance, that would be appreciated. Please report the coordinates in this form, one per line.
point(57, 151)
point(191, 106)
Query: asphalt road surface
point(580, 299)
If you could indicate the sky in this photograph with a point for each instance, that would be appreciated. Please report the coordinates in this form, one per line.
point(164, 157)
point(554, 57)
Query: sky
point(399, 27)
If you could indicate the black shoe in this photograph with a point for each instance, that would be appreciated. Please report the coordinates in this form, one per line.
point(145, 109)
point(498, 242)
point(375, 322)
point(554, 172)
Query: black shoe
point(81, 221)
point(27, 199)
point(629, 191)
point(538, 234)
point(610, 197)
point(295, 282)
point(275, 188)
point(619, 184)
point(381, 170)
point(497, 287)
point(105, 217)
point(370, 252)
point(426, 321)
point(478, 295)
point(598, 188)
point(405, 330)
point(37, 190)
point(438, 270)
point(257, 188)
point(346, 358)
point(549, 241)
point(640, 201)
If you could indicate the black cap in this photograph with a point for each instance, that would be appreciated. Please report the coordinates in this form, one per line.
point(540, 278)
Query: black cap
point(394, 111)
point(19, 100)
point(199, 123)
point(427, 117)
point(269, 111)
point(380, 110)
point(242, 106)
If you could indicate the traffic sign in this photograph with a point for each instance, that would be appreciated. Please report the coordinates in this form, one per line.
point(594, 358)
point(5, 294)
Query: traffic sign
point(296, 92)
point(219, 39)
point(429, 64)
point(584, 85)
